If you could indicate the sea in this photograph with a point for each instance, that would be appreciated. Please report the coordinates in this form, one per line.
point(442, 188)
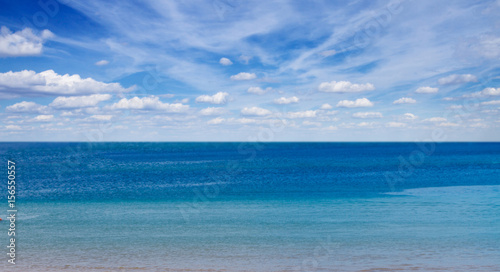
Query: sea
point(252, 206)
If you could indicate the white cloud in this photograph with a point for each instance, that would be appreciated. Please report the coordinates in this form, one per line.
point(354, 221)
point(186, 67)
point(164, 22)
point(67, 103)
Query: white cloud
point(326, 107)
point(102, 63)
point(344, 87)
point(405, 100)
point(212, 111)
point(284, 100)
point(366, 124)
point(427, 90)
point(302, 114)
point(331, 112)
point(244, 76)
point(148, 103)
point(457, 79)
point(246, 121)
point(216, 121)
point(22, 43)
point(255, 111)
point(63, 102)
point(102, 117)
point(225, 61)
point(328, 53)
point(309, 123)
point(358, 103)
point(410, 116)
point(491, 91)
point(484, 92)
point(364, 115)
point(448, 124)
point(30, 83)
point(44, 118)
point(493, 102)
point(12, 127)
point(218, 98)
point(395, 125)
point(258, 90)
point(26, 107)
point(435, 119)
point(330, 128)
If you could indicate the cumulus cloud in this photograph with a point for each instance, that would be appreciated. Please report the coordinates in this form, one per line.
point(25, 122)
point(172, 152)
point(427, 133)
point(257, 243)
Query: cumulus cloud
point(23, 42)
point(302, 114)
point(218, 98)
point(409, 116)
point(212, 111)
point(258, 90)
point(26, 107)
point(244, 76)
point(405, 100)
point(225, 61)
point(284, 100)
point(30, 83)
point(358, 103)
point(427, 90)
point(148, 103)
point(255, 111)
point(435, 119)
point(326, 107)
point(457, 79)
point(102, 63)
point(365, 115)
point(491, 91)
point(216, 121)
point(344, 87)
point(484, 92)
point(63, 102)
point(395, 125)
point(44, 118)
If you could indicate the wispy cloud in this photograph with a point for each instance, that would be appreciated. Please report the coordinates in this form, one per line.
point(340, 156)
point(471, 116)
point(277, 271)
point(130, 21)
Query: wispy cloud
point(427, 90)
point(244, 76)
point(457, 79)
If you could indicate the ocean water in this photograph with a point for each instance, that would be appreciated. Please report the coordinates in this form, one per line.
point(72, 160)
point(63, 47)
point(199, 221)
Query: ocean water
point(254, 206)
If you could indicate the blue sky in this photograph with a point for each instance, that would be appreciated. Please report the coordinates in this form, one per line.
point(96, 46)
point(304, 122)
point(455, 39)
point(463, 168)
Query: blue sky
point(230, 70)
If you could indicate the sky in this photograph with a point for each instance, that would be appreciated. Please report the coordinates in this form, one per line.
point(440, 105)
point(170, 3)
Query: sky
point(233, 70)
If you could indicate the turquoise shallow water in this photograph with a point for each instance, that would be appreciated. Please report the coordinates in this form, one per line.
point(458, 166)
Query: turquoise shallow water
point(292, 207)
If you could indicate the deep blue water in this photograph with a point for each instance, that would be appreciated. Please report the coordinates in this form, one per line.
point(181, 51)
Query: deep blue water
point(255, 206)
point(110, 171)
